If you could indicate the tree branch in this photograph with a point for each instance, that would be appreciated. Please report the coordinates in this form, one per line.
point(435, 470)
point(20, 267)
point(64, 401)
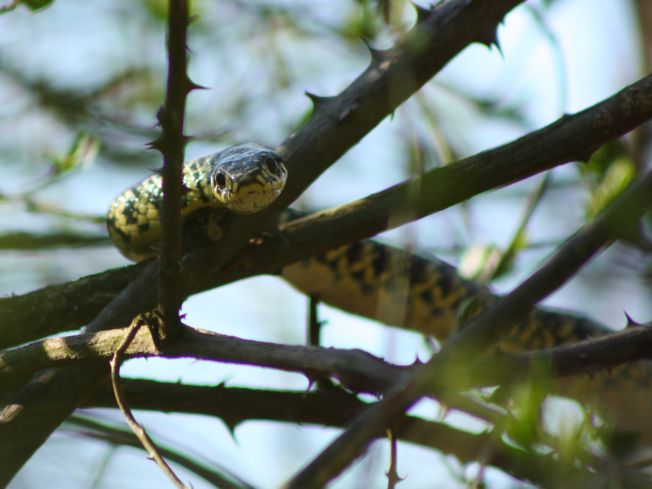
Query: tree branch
point(172, 144)
point(333, 407)
point(356, 369)
point(219, 477)
point(478, 334)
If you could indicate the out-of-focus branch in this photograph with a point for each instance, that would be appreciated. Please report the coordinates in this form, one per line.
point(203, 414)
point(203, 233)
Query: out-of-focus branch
point(96, 429)
point(25, 241)
point(332, 407)
point(478, 334)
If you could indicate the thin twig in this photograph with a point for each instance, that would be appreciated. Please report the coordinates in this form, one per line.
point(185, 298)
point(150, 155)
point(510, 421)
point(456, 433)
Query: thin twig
point(314, 324)
point(116, 436)
point(392, 472)
point(137, 428)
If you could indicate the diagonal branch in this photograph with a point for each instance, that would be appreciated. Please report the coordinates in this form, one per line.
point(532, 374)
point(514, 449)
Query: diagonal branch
point(479, 334)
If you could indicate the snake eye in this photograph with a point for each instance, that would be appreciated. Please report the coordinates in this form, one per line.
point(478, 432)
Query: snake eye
point(220, 180)
point(272, 165)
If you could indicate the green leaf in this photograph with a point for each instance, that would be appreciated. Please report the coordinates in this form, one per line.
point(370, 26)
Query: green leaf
point(601, 160)
point(616, 178)
point(519, 242)
point(479, 262)
point(526, 401)
point(82, 153)
point(36, 4)
point(362, 22)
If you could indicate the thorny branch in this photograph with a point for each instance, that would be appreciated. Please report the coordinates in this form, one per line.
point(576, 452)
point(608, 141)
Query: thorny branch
point(336, 125)
point(357, 370)
point(171, 144)
point(475, 337)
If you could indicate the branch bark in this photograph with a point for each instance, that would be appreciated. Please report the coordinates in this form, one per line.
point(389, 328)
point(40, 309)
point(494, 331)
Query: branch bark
point(475, 337)
point(336, 408)
point(172, 144)
point(356, 369)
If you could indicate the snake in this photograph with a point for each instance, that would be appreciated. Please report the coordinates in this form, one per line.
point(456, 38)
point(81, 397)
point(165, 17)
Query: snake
point(378, 281)
point(243, 179)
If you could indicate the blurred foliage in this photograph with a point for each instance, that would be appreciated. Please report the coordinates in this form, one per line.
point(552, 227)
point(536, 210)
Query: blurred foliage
point(37, 4)
point(81, 153)
point(606, 175)
point(62, 136)
point(116, 435)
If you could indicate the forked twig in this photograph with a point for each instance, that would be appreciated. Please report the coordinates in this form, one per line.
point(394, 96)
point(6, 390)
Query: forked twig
point(137, 428)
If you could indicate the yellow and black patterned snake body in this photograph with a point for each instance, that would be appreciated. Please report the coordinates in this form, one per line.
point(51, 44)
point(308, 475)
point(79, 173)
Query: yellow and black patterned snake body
point(402, 289)
point(381, 282)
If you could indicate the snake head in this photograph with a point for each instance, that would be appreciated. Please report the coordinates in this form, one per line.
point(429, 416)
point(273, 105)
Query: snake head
point(247, 178)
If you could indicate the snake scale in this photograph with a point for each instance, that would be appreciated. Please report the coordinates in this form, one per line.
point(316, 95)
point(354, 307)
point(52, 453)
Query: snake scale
point(376, 280)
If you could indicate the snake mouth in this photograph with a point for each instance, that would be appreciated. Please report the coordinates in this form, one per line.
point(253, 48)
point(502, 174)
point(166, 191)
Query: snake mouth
point(252, 197)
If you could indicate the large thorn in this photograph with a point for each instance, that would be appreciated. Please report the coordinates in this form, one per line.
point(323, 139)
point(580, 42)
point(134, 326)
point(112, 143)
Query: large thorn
point(317, 100)
point(156, 144)
point(191, 85)
point(490, 40)
point(377, 55)
point(630, 322)
point(422, 12)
